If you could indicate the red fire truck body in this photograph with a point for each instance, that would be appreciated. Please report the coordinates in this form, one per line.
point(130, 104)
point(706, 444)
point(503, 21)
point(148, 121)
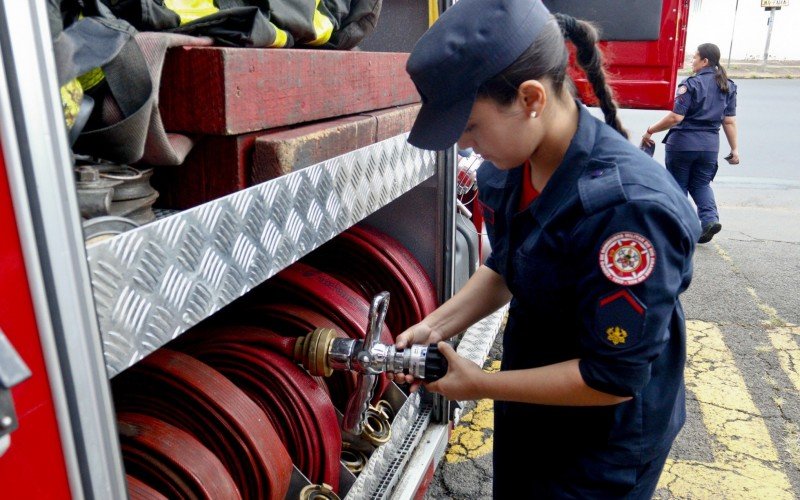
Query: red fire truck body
point(72, 317)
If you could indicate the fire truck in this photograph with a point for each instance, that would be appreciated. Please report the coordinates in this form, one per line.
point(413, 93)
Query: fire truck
point(76, 317)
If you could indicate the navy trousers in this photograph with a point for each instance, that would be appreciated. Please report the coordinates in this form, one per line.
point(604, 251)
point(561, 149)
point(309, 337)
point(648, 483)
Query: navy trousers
point(545, 477)
point(694, 171)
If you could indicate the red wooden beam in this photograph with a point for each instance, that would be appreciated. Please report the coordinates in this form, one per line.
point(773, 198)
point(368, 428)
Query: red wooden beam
point(279, 153)
point(228, 91)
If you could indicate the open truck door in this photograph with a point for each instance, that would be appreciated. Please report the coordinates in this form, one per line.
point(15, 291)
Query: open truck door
point(643, 43)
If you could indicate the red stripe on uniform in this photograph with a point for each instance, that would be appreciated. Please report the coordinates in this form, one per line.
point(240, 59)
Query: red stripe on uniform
point(625, 294)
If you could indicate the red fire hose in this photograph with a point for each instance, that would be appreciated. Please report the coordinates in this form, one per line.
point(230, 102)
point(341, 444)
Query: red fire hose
point(172, 461)
point(278, 326)
point(298, 408)
point(188, 394)
point(369, 262)
point(138, 490)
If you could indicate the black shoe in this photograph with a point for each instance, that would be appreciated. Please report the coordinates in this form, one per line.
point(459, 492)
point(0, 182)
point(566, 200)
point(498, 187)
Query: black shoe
point(709, 230)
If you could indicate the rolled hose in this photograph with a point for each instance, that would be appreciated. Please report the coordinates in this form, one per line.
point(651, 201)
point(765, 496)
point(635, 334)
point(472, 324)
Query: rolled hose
point(298, 408)
point(369, 261)
point(173, 461)
point(177, 389)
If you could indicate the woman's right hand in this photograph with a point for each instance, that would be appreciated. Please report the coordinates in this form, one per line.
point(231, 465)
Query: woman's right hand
point(420, 333)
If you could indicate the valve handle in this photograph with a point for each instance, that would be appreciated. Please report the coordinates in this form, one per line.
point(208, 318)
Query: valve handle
point(355, 414)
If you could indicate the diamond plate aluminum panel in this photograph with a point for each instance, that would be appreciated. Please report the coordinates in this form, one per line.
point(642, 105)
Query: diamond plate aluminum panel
point(153, 283)
point(478, 339)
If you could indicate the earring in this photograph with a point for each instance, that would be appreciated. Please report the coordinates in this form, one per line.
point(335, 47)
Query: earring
point(533, 114)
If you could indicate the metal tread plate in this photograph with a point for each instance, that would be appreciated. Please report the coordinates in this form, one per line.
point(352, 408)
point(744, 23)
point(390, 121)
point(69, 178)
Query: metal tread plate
point(478, 339)
point(153, 283)
point(477, 342)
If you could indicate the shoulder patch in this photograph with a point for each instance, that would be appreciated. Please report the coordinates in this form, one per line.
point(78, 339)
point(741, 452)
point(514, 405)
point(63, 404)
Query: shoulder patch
point(627, 258)
point(682, 89)
point(600, 187)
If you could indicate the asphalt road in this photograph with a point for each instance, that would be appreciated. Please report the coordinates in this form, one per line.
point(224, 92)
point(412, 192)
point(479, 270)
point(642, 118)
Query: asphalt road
point(742, 437)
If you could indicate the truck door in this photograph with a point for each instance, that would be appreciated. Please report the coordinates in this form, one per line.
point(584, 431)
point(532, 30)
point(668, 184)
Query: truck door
point(643, 43)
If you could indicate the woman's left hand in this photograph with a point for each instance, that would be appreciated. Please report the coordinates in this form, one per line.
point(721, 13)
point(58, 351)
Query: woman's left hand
point(462, 381)
point(646, 139)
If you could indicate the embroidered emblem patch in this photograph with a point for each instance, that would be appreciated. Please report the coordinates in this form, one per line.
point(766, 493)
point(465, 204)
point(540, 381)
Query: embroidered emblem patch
point(616, 335)
point(682, 89)
point(627, 258)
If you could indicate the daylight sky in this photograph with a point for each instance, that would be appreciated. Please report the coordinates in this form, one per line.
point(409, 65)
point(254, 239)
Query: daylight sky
point(712, 21)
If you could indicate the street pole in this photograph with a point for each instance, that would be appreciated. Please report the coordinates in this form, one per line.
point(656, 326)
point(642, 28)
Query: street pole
point(769, 33)
point(733, 30)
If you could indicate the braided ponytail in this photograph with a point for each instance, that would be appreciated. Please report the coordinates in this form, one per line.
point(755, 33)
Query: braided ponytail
point(585, 37)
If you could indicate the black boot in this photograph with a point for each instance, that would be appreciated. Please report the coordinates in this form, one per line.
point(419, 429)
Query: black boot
point(709, 230)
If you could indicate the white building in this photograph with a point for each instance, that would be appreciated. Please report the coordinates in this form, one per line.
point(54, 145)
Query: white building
point(713, 21)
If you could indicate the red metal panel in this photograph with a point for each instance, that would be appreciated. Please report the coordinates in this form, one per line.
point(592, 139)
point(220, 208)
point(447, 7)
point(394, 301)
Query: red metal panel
point(644, 74)
point(33, 467)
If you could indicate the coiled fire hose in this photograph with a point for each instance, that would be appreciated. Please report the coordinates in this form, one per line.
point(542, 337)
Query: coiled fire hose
point(137, 490)
point(370, 262)
point(298, 408)
point(188, 394)
point(171, 460)
point(293, 320)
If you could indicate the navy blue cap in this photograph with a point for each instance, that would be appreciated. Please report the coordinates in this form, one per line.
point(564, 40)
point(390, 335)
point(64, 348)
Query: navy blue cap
point(471, 42)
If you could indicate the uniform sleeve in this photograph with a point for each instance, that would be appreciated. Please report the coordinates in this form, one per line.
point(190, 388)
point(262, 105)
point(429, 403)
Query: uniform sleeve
point(730, 108)
point(683, 97)
point(632, 273)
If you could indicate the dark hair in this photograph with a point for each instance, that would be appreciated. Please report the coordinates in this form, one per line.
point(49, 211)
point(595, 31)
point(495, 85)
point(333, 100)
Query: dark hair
point(711, 52)
point(548, 57)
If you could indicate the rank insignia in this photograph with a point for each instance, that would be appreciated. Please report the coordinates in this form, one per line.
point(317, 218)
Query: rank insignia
point(620, 318)
point(627, 258)
point(616, 335)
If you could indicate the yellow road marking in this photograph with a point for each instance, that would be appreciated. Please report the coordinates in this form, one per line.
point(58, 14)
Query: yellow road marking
point(473, 436)
point(746, 464)
point(783, 337)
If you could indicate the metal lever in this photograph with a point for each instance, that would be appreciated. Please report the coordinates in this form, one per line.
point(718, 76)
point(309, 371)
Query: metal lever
point(355, 414)
point(321, 352)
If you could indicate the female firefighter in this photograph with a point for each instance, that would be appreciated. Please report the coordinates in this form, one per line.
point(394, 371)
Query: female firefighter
point(592, 243)
point(703, 102)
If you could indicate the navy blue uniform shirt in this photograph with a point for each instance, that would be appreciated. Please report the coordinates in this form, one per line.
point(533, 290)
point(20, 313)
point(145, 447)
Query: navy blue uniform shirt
point(703, 105)
point(595, 265)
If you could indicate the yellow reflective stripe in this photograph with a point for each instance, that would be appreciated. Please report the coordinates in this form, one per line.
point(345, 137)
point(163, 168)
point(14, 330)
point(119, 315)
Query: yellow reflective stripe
point(433, 12)
point(323, 27)
point(189, 10)
point(280, 37)
point(91, 78)
point(71, 97)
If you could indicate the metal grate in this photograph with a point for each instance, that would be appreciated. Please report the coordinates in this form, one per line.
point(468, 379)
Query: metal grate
point(403, 452)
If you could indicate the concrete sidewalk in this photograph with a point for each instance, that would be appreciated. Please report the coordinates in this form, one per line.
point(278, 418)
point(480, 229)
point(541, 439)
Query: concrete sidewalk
point(744, 69)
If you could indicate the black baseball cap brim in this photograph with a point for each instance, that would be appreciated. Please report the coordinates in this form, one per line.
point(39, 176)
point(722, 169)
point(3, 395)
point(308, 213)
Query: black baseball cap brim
point(439, 127)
